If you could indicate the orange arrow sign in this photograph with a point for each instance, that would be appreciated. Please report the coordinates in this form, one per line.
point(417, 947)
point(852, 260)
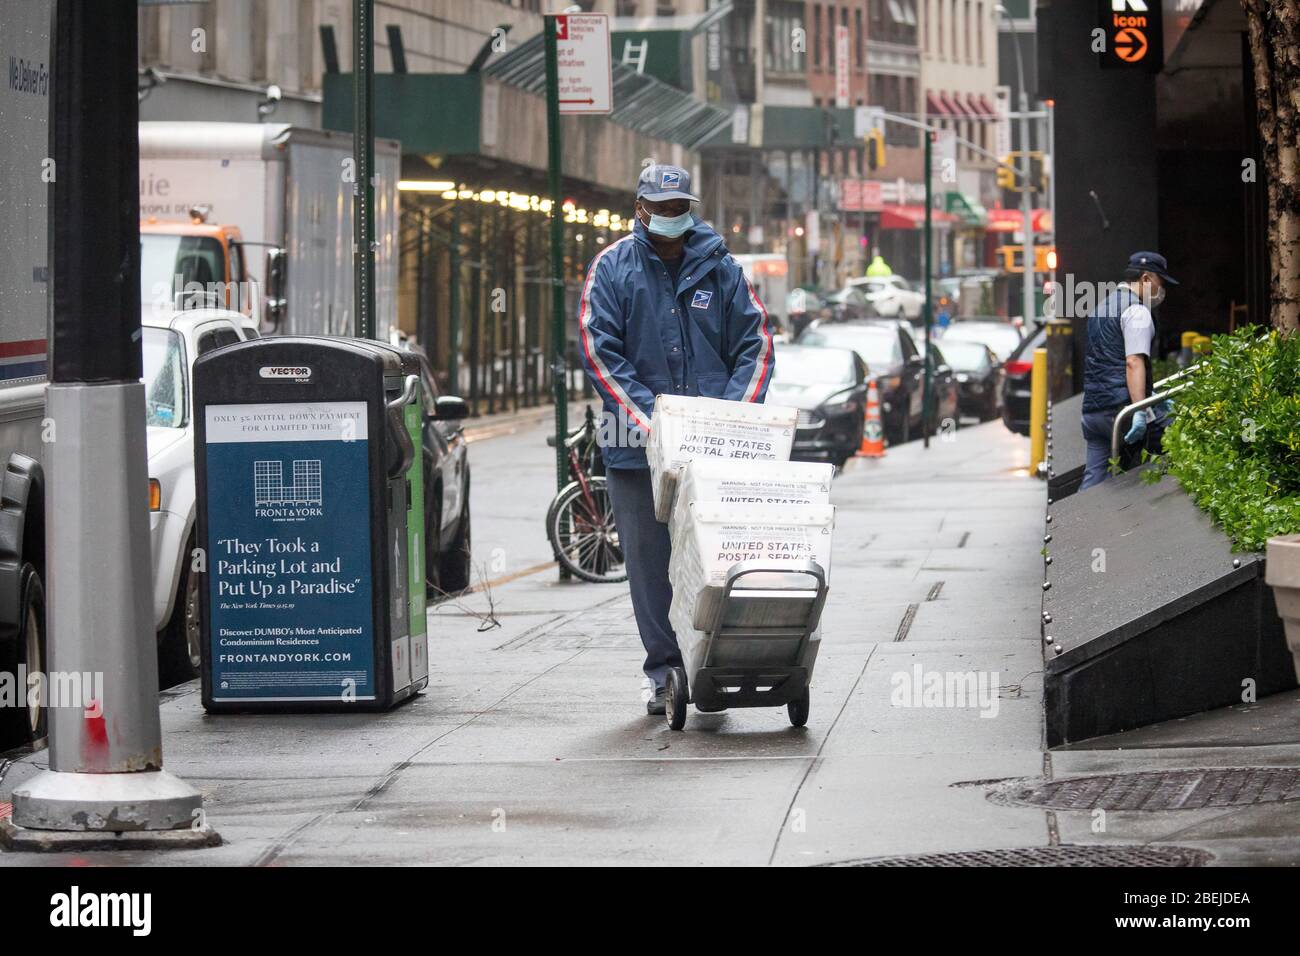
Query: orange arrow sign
point(1130, 45)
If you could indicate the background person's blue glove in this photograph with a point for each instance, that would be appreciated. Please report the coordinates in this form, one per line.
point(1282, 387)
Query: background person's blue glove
point(1138, 430)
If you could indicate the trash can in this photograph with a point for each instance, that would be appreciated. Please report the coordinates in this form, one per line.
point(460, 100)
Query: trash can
point(411, 546)
point(304, 473)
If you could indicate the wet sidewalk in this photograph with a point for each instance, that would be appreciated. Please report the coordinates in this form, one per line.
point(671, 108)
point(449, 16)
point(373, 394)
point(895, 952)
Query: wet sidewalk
point(531, 744)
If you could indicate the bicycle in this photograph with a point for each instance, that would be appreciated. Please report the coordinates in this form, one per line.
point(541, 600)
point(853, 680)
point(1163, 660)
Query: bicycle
point(580, 519)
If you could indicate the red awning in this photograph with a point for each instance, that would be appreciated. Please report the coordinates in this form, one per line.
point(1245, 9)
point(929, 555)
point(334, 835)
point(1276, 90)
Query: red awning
point(1010, 220)
point(973, 104)
point(950, 102)
point(988, 107)
point(934, 106)
point(910, 217)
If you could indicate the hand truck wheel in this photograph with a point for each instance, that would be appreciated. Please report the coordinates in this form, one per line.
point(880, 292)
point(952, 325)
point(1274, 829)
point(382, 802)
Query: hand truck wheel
point(676, 698)
point(798, 709)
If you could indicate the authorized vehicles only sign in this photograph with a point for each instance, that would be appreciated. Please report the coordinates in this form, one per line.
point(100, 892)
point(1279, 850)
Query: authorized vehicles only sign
point(583, 61)
point(289, 572)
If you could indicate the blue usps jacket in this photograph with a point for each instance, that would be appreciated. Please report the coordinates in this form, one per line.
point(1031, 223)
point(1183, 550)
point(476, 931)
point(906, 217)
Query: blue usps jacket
point(642, 337)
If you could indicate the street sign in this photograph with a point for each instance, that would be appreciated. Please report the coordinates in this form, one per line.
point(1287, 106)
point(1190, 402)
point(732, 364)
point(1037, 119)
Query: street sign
point(861, 195)
point(851, 195)
point(1134, 35)
point(872, 195)
point(866, 119)
point(944, 156)
point(582, 48)
point(740, 124)
point(1002, 126)
point(841, 66)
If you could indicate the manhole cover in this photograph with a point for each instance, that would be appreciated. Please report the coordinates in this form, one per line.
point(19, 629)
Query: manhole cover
point(1049, 856)
point(1158, 790)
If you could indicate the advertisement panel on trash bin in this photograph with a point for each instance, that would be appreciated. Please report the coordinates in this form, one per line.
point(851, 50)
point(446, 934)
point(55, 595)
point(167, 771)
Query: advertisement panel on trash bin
point(289, 578)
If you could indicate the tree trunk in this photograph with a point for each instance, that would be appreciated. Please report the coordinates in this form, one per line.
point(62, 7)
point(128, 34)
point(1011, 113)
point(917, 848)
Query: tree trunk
point(1274, 30)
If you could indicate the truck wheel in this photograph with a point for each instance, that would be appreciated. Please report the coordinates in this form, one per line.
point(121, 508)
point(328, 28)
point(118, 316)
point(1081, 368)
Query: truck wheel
point(31, 654)
point(456, 564)
point(179, 644)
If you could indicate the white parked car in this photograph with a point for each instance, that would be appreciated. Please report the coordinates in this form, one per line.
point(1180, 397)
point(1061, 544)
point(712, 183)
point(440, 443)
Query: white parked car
point(891, 296)
point(170, 343)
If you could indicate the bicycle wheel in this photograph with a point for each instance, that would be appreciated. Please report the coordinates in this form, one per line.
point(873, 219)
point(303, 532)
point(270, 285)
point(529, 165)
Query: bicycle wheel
point(582, 533)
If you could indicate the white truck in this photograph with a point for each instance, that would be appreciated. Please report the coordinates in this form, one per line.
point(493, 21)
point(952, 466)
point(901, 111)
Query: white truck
point(769, 274)
point(24, 287)
point(266, 209)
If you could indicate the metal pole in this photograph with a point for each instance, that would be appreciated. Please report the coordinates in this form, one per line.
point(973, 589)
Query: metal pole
point(1051, 188)
point(475, 313)
point(560, 375)
point(363, 151)
point(929, 266)
point(453, 301)
point(1026, 197)
point(105, 786)
point(1027, 211)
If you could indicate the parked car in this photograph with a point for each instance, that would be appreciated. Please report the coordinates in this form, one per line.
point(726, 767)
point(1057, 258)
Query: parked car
point(944, 389)
point(979, 378)
point(847, 304)
point(829, 387)
point(1000, 335)
point(1017, 371)
point(892, 359)
point(448, 563)
point(804, 307)
point(891, 296)
point(170, 342)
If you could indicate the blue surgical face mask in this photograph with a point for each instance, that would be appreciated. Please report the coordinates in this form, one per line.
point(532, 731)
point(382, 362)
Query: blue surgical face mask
point(670, 227)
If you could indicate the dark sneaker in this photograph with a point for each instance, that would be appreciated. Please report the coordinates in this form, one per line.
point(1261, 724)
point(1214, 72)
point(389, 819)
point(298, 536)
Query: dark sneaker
point(655, 705)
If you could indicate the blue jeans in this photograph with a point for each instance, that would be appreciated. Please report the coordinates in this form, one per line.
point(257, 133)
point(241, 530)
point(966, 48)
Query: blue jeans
point(1096, 432)
point(646, 549)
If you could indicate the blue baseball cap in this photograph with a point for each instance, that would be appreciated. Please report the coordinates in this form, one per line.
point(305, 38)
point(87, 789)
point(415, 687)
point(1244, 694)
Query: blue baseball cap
point(661, 181)
point(1151, 262)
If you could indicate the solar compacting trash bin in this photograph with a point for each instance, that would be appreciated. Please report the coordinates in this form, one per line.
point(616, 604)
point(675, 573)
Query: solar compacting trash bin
point(307, 465)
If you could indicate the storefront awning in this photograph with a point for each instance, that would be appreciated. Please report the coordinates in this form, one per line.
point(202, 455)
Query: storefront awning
point(934, 105)
point(911, 217)
point(641, 102)
point(1010, 220)
point(967, 210)
point(987, 106)
point(954, 108)
point(973, 104)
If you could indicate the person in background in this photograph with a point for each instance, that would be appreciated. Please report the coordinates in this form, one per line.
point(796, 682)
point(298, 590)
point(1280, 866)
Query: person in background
point(664, 310)
point(1117, 363)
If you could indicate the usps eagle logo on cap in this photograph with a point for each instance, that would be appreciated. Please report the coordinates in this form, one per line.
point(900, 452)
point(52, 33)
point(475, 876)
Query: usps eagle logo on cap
point(670, 180)
point(701, 299)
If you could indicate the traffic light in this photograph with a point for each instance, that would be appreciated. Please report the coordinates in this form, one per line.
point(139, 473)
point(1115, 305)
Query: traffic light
point(1037, 173)
point(875, 141)
point(1006, 176)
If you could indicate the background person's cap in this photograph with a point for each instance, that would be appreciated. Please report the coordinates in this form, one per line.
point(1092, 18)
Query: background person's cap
point(1151, 262)
point(660, 182)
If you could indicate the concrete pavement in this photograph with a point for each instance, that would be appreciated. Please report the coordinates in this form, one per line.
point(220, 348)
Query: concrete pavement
point(531, 744)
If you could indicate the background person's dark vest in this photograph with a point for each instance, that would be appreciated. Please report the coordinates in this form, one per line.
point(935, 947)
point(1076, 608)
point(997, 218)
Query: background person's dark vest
point(1105, 383)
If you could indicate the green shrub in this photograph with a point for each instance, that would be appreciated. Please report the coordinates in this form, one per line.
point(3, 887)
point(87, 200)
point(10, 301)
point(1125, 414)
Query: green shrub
point(1234, 444)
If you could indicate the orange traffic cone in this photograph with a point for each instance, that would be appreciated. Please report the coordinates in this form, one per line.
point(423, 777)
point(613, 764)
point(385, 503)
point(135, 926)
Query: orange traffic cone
point(873, 431)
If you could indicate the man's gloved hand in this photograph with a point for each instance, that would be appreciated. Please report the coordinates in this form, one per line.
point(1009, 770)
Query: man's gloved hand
point(1164, 409)
point(1138, 430)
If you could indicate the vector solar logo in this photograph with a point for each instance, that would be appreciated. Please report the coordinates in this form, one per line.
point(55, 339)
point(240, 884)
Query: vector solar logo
point(286, 373)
